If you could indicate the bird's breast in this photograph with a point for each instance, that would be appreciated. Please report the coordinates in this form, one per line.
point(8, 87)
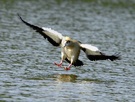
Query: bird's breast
point(72, 53)
point(68, 52)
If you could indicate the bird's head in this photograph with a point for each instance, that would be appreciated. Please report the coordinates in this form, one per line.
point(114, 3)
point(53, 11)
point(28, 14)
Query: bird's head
point(68, 42)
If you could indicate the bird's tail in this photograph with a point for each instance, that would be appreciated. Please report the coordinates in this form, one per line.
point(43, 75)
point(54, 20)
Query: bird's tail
point(77, 63)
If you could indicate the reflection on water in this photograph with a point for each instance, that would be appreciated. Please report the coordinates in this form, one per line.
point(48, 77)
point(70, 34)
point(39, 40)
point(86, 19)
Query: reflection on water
point(66, 78)
point(27, 72)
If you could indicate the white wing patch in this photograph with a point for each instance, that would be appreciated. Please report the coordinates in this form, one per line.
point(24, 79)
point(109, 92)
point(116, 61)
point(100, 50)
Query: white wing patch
point(90, 50)
point(93, 53)
point(90, 47)
point(53, 32)
point(56, 36)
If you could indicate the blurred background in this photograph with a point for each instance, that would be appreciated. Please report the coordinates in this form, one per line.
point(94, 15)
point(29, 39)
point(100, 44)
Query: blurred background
point(27, 72)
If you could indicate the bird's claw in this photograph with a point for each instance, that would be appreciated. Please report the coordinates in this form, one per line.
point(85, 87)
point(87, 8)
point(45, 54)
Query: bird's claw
point(67, 68)
point(59, 65)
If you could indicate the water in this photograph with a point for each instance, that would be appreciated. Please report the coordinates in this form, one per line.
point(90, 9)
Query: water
point(27, 72)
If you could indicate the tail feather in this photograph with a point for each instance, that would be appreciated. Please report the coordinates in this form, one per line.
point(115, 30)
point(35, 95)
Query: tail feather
point(77, 63)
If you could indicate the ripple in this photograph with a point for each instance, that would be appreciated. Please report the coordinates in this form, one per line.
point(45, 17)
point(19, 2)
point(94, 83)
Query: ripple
point(26, 58)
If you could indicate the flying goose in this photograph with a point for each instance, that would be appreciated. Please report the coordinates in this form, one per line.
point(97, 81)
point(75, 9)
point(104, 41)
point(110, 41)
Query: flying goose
point(70, 48)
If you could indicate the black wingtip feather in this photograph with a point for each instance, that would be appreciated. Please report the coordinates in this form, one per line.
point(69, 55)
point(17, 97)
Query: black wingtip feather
point(116, 56)
point(39, 30)
point(104, 57)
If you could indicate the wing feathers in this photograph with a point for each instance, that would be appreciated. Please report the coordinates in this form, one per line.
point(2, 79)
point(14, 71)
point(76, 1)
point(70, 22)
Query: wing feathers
point(53, 37)
point(90, 50)
point(93, 53)
point(103, 57)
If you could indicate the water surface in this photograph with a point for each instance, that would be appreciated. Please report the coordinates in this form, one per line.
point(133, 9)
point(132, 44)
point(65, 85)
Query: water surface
point(27, 72)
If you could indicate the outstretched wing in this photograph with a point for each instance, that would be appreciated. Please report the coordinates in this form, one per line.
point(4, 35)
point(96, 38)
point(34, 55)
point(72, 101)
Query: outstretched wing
point(93, 53)
point(52, 36)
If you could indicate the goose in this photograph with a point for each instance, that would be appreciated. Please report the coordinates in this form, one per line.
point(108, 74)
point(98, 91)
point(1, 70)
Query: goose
point(70, 48)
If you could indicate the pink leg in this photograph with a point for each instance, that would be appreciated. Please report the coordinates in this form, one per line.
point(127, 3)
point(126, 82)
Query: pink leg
point(68, 68)
point(59, 64)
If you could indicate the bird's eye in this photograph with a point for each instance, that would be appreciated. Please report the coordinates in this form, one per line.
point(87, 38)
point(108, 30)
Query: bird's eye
point(68, 41)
